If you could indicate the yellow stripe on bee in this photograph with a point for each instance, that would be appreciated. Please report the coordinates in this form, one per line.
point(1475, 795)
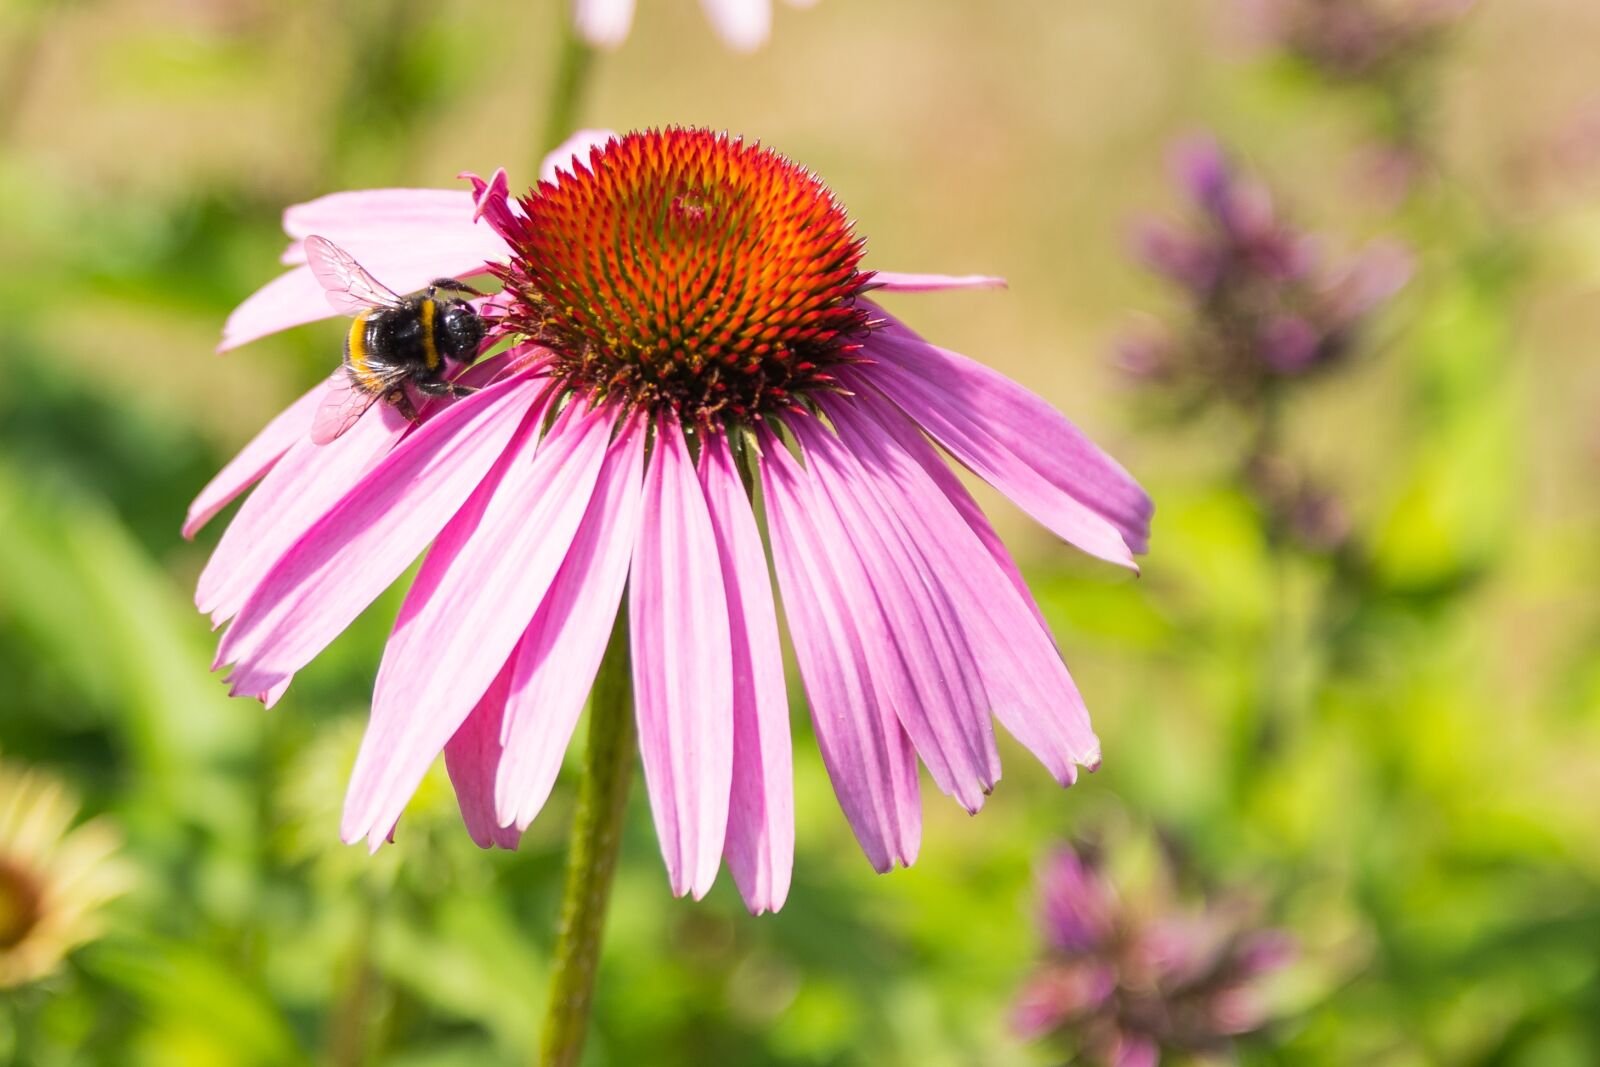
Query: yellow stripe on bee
point(355, 348)
point(430, 349)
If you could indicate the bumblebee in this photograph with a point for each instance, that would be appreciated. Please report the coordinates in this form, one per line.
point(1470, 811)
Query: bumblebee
point(395, 343)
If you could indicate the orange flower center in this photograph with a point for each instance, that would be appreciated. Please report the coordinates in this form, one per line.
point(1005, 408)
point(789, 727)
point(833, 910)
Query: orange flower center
point(19, 905)
point(688, 269)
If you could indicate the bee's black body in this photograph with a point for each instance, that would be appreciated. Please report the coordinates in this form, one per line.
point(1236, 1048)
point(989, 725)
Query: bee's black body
point(388, 348)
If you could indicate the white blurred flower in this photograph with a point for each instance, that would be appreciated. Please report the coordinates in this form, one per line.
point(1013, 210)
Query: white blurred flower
point(744, 25)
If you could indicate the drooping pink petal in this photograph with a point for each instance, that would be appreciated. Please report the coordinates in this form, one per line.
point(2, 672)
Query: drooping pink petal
point(1015, 441)
point(363, 544)
point(915, 648)
point(275, 694)
point(301, 488)
point(868, 755)
point(603, 23)
point(379, 216)
point(760, 846)
point(472, 757)
point(405, 237)
point(1028, 685)
point(479, 588)
point(743, 25)
point(253, 461)
point(574, 149)
point(561, 651)
point(895, 282)
point(682, 667)
point(291, 299)
point(894, 421)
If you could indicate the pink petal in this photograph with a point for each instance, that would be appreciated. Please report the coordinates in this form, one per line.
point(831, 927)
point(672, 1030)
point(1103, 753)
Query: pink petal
point(868, 755)
point(682, 667)
point(301, 488)
point(743, 25)
point(574, 149)
point(291, 299)
point(603, 23)
point(481, 584)
point(1015, 441)
point(253, 461)
point(472, 757)
point(1028, 686)
point(915, 647)
point(561, 652)
point(363, 544)
point(372, 216)
point(760, 846)
point(405, 237)
point(895, 422)
point(893, 282)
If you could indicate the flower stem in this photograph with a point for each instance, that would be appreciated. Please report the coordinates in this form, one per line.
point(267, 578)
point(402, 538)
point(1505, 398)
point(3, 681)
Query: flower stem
point(592, 854)
point(574, 64)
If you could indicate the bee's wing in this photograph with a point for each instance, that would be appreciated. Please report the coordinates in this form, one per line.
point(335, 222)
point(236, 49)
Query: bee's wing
point(342, 404)
point(348, 286)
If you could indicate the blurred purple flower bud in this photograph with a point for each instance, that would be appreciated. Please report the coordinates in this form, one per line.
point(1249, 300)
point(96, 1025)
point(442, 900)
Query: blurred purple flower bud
point(1265, 951)
point(1369, 281)
point(1132, 1050)
point(1058, 995)
point(1145, 354)
point(1200, 169)
point(1075, 905)
point(1177, 256)
point(1288, 344)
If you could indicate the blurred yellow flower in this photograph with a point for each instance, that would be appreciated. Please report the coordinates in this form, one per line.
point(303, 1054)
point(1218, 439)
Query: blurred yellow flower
point(54, 877)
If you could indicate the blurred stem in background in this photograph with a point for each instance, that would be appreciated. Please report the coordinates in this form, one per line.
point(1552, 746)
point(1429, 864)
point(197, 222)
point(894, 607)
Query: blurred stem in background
point(592, 854)
point(574, 65)
point(351, 1023)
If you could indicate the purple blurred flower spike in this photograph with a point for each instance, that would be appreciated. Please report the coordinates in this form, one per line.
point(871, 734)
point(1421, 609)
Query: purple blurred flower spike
point(1352, 39)
point(1123, 982)
point(1266, 301)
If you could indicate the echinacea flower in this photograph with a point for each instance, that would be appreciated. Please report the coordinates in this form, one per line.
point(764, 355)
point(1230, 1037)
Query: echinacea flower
point(54, 877)
point(743, 25)
point(1125, 980)
point(689, 348)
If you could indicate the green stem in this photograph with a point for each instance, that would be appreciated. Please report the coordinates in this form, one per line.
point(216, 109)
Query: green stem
point(574, 64)
point(592, 854)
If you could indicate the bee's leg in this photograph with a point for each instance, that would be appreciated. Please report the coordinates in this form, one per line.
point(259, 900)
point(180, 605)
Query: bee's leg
point(402, 402)
point(440, 387)
point(451, 285)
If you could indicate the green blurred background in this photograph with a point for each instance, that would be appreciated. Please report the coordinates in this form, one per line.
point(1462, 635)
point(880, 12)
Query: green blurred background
point(1395, 747)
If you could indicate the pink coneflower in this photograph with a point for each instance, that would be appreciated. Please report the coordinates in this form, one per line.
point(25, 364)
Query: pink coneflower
point(689, 349)
point(743, 25)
